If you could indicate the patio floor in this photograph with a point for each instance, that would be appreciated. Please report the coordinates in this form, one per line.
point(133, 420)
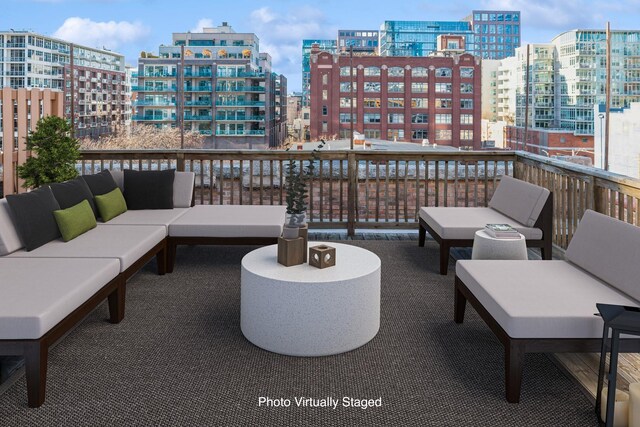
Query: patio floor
point(179, 358)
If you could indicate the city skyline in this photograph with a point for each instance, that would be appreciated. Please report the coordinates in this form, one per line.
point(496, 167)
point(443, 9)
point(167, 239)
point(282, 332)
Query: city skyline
point(129, 26)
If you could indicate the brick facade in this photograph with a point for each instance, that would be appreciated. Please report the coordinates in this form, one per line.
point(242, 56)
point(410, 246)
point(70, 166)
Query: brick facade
point(425, 86)
point(549, 142)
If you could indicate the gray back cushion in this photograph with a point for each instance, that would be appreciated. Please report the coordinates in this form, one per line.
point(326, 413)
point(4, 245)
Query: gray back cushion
point(519, 200)
point(182, 187)
point(9, 238)
point(609, 249)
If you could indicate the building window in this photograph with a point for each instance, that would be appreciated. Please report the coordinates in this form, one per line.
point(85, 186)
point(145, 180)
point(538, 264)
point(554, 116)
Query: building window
point(419, 118)
point(372, 71)
point(466, 119)
point(372, 133)
point(443, 87)
point(395, 118)
point(395, 102)
point(372, 118)
point(395, 72)
point(325, 94)
point(419, 72)
point(443, 72)
point(466, 104)
point(466, 134)
point(325, 127)
point(344, 71)
point(371, 86)
point(346, 117)
point(345, 133)
point(419, 87)
point(443, 118)
point(420, 102)
point(444, 103)
point(325, 79)
point(395, 87)
point(372, 102)
point(466, 88)
point(325, 110)
point(443, 134)
point(346, 102)
point(395, 134)
point(419, 134)
point(466, 72)
point(346, 87)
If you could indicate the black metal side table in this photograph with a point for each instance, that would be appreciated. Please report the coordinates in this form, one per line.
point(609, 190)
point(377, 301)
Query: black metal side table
point(620, 320)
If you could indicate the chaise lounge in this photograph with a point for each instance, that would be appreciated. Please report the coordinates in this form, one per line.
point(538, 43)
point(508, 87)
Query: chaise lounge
point(526, 207)
point(550, 306)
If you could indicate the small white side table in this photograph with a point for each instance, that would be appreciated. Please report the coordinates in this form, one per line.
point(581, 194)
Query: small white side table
point(487, 247)
point(306, 311)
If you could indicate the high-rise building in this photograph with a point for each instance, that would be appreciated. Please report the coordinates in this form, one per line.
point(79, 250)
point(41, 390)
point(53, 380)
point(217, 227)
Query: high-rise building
point(94, 97)
point(330, 46)
point(216, 82)
point(432, 98)
point(20, 110)
point(567, 77)
point(497, 32)
point(363, 42)
point(418, 38)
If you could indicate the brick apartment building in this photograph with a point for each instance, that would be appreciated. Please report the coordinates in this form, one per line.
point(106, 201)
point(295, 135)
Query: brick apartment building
point(399, 98)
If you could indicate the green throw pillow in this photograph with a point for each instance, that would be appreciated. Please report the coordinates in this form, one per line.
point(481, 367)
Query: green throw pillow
point(111, 204)
point(75, 220)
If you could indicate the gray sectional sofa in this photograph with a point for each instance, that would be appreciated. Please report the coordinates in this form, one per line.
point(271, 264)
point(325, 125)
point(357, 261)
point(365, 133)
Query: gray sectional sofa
point(48, 290)
point(550, 306)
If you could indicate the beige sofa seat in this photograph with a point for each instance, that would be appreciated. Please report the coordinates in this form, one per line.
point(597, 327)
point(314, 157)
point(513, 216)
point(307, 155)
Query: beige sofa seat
point(540, 299)
point(38, 293)
point(126, 243)
point(459, 223)
point(230, 221)
point(162, 217)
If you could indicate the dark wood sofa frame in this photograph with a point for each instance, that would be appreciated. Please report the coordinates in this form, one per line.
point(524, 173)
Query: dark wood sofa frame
point(544, 222)
point(36, 351)
point(515, 349)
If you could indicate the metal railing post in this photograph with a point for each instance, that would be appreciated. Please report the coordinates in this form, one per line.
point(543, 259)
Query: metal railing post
point(352, 188)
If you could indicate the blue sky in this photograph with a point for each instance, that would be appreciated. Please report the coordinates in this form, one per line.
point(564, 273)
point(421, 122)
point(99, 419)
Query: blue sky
point(130, 26)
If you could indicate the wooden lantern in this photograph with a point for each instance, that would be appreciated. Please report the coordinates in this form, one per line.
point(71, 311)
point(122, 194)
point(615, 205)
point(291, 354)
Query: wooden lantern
point(322, 256)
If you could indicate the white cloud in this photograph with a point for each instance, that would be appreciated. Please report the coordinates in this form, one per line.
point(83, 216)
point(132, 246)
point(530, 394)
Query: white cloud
point(552, 14)
point(281, 36)
point(111, 34)
point(203, 23)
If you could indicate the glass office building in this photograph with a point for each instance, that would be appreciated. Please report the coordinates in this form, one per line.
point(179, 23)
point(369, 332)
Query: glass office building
point(418, 38)
point(497, 33)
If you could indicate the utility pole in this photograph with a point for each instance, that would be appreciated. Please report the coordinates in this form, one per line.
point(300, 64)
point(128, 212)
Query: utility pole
point(607, 99)
point(351, 85)
point(526, 103)
point(180, 98)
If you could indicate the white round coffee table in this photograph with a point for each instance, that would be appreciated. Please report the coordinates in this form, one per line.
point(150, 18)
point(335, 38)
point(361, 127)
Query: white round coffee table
point(306, 311)
point(487, 247)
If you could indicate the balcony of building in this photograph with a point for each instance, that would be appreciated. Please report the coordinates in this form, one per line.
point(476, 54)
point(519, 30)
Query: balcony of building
point(180, 352)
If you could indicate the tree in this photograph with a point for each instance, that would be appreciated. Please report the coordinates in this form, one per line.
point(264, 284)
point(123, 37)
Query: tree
point(54, 153)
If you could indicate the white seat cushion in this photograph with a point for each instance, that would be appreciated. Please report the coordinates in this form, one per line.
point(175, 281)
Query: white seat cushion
point(162, 217)
point(462, 223)
point(38, 293)
point(127, 243)
point(9, 238)
point(519, 200)
point(230, 221)
point(539, 299)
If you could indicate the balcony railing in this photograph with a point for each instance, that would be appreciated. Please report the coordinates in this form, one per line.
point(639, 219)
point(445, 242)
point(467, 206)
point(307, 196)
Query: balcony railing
point(240, 118)
point(381, 189)
point(240, 89)
point(240, 133)
point(197, 117)
point(153, 118)
point(197, 103)
point(153, 88)
point(241, 103)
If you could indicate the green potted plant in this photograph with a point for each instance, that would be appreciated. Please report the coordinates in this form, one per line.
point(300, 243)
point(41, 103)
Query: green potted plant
point(55, 153)
point(296, 189)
